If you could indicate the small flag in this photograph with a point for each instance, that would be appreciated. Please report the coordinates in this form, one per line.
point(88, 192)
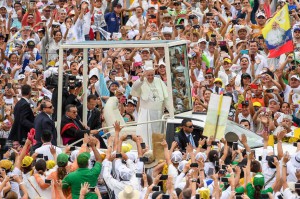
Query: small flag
point(271, 140)
point(278, 35)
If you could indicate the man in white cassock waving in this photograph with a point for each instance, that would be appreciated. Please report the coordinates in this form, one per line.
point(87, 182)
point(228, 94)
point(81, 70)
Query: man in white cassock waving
point(153, 96)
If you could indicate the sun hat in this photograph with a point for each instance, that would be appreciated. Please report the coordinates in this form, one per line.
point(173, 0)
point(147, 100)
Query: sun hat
point(129, 192)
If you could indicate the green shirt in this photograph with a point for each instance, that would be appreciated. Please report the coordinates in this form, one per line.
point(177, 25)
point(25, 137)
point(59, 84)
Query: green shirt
point(81, 175)
point(250, 191)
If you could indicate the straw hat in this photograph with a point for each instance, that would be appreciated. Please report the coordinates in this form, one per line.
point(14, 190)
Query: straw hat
point(129, 192)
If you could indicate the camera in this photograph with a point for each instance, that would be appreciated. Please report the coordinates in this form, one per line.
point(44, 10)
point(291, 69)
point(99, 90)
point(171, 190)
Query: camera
point(69, 81)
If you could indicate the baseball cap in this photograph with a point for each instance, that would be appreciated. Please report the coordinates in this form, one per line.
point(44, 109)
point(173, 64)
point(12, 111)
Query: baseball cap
point(259, 14)
point(296, 77)
point(259, 180)
point(31, 43)
point(218, 80)
point(202, 40)
point(201, 155)
point(227, 60)
point(62, 160)
point(118, 5)
point(131, 102)
point(94, 72)
point(27, 160)
point(257, 104)
point(50, 164)
point(6, 164)
point(83, 159)
point(145, 49)
point(176, 157)
point(273, 100)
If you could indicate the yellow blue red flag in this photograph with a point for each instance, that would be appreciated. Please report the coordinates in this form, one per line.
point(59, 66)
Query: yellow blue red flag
point(277, 33)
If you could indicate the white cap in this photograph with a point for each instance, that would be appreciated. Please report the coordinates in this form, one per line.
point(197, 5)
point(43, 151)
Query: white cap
point(176, 157)
point(22, 76)
point(202, 40)
point(296, 77)
point(43, 18)
point(124, 172)
point(93, 72)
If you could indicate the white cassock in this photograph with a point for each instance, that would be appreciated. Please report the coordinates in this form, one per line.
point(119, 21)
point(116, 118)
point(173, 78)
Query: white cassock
point(153, 99)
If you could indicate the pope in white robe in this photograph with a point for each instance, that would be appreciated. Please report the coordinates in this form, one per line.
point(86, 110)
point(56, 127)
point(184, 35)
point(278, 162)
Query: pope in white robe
point(153, 96)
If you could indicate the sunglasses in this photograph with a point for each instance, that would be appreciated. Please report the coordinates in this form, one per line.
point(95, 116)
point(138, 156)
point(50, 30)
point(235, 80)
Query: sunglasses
point(261, 17)
point(237, 4)
point(49, 107)
point(190, 126)
point(208, 77)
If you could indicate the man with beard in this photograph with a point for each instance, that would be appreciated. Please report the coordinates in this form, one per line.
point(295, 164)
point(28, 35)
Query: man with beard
point(275, 36)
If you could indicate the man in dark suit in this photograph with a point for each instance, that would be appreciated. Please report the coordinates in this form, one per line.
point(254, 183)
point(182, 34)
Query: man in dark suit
point(23, 115)
point(188, 134)
point(43, 121)
point(93, 116)
point(71, 128)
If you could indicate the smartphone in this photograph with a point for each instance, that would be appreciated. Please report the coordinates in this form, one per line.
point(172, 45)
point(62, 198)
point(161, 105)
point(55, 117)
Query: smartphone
point(224, 167)
point(209, 14)
point(144, 159)
point(222, 43)
point(47, 181)
point(279, 197)
point(118, 78)
point(224, 179)
point(129, 137)
point(235, 146)
point(244, 52)
point(197, 196)
point(134, 78)
point(254, 86)
point(238, 196)
point(222, 171)
point(163, 177)
point(163, 7)
point(210, 171)
point(260, 158)
point(179, 27)
point(252, 57)
point(194, 165)
point(196, 26)
point(192, 16)
point(9, 85)
point(143, 145)
point(152, 16)
point(165, 196)
point(118, 155)
point(212, 35)
point(234, 21)
point(297, 185)
point(156, 188)
point(92, 189)
point(139, 175)
point(270, 90)
point(72, 148)
point(39, 156)
point(264, 196)
point(176, 139)
point(215, 143)
point(46, 158)
point(217, 163)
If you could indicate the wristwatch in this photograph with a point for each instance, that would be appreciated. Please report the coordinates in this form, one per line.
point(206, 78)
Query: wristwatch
point(194, 180)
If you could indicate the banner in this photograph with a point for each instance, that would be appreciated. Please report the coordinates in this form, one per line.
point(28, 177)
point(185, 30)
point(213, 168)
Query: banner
point(217, 114)
point(277, 33)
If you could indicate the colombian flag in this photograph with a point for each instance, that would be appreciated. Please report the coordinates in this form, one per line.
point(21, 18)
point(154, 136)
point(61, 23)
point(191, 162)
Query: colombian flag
point(277, 33)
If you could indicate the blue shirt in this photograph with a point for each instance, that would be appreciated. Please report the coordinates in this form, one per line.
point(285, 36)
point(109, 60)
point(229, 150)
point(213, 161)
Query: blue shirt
point(113, 22)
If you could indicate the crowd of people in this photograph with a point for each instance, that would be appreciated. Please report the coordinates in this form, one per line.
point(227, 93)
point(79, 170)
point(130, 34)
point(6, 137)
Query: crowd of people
point(226, 54)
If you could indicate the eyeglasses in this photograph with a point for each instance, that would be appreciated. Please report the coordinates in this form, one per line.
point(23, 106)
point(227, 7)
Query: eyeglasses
point(190, 126)
point(13, 30)
point(208, 77)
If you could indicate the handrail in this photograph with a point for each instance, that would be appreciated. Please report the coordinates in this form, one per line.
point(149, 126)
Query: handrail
point(126, 125)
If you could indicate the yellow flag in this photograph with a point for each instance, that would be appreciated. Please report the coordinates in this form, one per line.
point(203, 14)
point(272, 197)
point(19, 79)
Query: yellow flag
point(271, 140)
